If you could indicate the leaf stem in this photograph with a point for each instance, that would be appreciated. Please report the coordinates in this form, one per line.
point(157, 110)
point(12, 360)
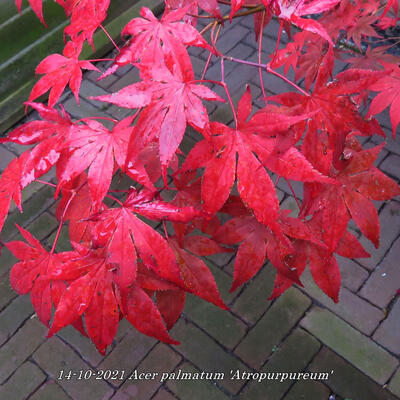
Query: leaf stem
point(115, 199)
point(206, 66)
point(294, 194)
point(260, 71)
point(227, 92)
point(46, 183)
point(277, 41)
point(111, 39)
point(105, 118)
point(271, 71)
point(251, 10)
point(268, 69)
point(165, 230)
point(249, 6)
point(101, 59)
point(62, 221)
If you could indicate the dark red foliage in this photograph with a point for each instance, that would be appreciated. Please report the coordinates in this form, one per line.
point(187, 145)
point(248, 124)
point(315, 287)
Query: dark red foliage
point(121, 265)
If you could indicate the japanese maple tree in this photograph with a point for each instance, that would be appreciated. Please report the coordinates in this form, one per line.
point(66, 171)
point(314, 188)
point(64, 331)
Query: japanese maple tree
point(119, 266)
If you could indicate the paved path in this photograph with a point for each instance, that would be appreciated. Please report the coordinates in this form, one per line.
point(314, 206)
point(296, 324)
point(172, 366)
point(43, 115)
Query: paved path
point(356, 342)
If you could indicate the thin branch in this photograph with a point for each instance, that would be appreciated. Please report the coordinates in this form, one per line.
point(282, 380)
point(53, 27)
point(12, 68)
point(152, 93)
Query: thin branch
point(260, 70)
point(111, 39)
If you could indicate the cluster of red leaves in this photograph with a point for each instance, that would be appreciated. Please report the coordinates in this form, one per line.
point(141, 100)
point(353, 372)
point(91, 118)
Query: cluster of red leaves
point(119, 265)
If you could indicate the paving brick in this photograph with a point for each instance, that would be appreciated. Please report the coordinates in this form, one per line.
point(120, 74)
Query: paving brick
point(54, 356)
point(63, 243)
point(194, 389)
point(220, 259)
point(205, 354)
point(85, 109)
point(82, 344)
point(346, 380)
point(392, 145)
point(14, 316)
point(236, 82)
point(249, 40)
point(290, 204)
point(118, 112)
point(390, 228)
point(128, 79)
point(7, 260)
point(391, 165)
point(388, 333)
point(42, 226)
point(160, 360)
point(187, 144)
point(358, 349)
point(272, 327)
point(89, 89)
point(50, 391)
point(241, 51)
point(297, 187)
point(5, 158)
point(292, 356)
point(221, 324)
point(18, 348)
point(26, 194)
point(352, 274)
point(124, 70)
point(383, 283)
point(38, 203)
point(352, 308)
point(33, 188)
point(252, 302)
point(394, 385)
point(7, 294)
point(305, 390)
point(106, 82)
point(16, 148)
point(272, 30)
point(230, 38)
point(198, 66)
point(26, 379)
point(197, 51)
point(163, 394)
point(128, 354)
point(222, 113)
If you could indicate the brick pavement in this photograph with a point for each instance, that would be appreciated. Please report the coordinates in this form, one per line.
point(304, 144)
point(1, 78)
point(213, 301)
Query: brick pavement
point(356, 341)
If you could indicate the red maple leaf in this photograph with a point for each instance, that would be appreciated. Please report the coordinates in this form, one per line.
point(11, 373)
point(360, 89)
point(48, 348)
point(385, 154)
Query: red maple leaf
point(389, 88)
point(196, 276)
point(152, 38)
point(61, 70)
point(259, 242)
point(91, 145)
point(30, 274)
point(76, 206)
point(291, 11)
point(10, 186)
point(37, 7)
point(255, 187)
point(360, 182)
point(86, 17)
point(323, 264)
point(48, 136)
point(209, 6)
point(127, 237)
point(172, 100)
point(91, 292)
point(373, 57)
point(335, 112)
